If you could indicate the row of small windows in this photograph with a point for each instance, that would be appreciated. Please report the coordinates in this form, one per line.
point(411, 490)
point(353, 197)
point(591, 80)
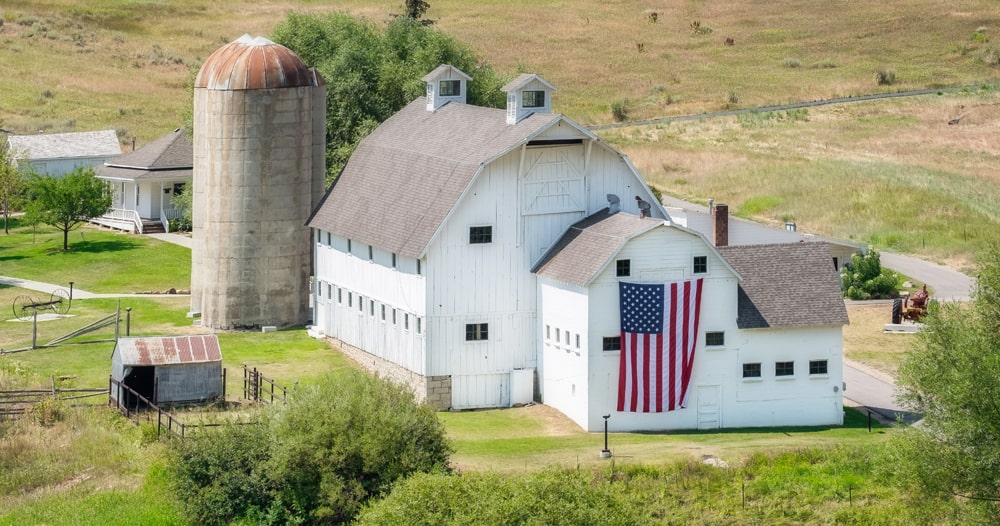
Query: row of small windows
point(784, 369)
point(614, 343)
point(371, 249)
point(623, 267)
point(562, 337)
point(357, 300)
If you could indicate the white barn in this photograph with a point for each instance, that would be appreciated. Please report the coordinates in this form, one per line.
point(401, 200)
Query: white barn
point(435, 252)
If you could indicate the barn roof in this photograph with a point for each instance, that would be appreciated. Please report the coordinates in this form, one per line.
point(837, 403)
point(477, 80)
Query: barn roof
point(168, 350)
point(169, 157)
point(405, 177)
point(786, 285)
point(589, 244)
point(101, 143)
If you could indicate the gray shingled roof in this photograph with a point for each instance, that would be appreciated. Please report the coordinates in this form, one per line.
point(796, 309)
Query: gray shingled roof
point(169, 157)
point(589, 244)
point(787, 285)
point(403, 179)
point(102, 143)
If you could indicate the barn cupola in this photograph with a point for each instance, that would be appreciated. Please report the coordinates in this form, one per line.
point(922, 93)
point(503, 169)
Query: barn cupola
point(527, 94)
point(445, 84)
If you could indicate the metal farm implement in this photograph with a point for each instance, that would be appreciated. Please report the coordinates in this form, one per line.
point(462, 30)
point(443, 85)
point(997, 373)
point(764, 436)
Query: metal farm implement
point(25, 307)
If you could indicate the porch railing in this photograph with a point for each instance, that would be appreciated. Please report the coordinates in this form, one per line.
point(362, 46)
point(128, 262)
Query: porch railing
point(125, 216)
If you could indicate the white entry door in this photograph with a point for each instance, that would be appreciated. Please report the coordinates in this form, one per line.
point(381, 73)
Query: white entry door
point(709, 407)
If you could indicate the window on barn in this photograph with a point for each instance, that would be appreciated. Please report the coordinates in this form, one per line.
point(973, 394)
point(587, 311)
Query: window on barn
point(361, 304)
point(751, 370)
point(371, 307)
point(480, 234)
point(476, 332)
point(393, 260)
point(784, 368)
point(623, 267)
point(350, 299)
point(340, 295)
point(406, 321)
point(577, 341)
point(817, 367)
point(700, 264)
point(558, 334)
point(418, 267)
point(420, 325)
point(611, 343)
point(533, 98)
point(348, 246)
point(450, 88)
point(548, 332)
point(383, 312)
point(715, 339)
point(393, 316)
point(371, 253)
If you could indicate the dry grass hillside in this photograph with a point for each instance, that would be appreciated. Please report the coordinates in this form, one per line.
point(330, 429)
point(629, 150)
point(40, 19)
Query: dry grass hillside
point(890, 173)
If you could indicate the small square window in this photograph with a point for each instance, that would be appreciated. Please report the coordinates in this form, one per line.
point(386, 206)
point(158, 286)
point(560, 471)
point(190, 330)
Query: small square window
point(361, 304)
point(393, 260)
point(611, 343)
point(329, 291)
point(784, 368)
point(350, 299)
point(480, 234)
point(558, 335)
point(751, 370)
point(623, 267)
point(700, 264)
point(371, 253)
point(817, 367)
point(715, 339)
point(450, 88)
point(371, 307)
point(348, 246)
point(533, 98)
point(420, 325)
point(477, 331)
point(393, 316)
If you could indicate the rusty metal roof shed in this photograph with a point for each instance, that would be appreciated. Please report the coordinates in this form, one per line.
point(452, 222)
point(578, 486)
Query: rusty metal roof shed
point(249, 63)
point(168, 350)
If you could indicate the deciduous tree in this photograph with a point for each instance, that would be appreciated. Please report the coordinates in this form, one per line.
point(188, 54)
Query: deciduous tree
point(69, 201)
point(952, 377)
point(12, 183)
point(372, 73)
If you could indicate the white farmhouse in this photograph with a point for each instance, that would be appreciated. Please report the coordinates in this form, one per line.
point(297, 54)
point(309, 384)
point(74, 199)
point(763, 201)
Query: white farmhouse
point(56, 154)
point(144, 182)
point(475, 254)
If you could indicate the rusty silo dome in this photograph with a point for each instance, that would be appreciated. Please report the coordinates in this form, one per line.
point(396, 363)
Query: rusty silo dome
point(249, 63)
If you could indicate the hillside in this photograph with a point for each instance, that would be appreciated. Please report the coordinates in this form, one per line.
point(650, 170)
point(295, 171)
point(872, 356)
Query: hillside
point(128, 65)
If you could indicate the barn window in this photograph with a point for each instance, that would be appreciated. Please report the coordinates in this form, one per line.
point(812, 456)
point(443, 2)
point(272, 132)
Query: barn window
point(480, 234)
point(371, 253)
point(533, 98)
point(611, 343)
point(340, 295)
point(558, 334)
point(450, 88)
point(393, 316)
point(477, 331)
point(715, 339)
point(348, 246)
point(817, 367)
point(350, 299)
point(418, 267)
point(383, 312)
point(371, 307)
point(548, 332)
point(577, 341)
point(393, 260)
point(567, 337)
point(784, 368)
point(329, 291)
point(361, 304)
point(700, 264)
point(751, 370)
point(420, 325)
point(328, 239)
point(623, 267)
point(406, 321)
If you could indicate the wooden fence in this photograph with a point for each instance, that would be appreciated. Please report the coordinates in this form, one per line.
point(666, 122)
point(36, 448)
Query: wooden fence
point(260, 388)
point(137, 407)
point(16, 402)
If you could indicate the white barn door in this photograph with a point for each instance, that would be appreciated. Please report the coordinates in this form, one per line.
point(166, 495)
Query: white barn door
point(709, 407)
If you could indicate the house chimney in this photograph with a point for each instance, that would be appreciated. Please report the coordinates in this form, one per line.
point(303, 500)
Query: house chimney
point(720, 225)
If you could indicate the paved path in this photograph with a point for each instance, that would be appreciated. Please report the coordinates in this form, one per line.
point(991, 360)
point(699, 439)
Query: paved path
point(177, 239)
point(868, 388)
point(78, 294)
point(947, 284)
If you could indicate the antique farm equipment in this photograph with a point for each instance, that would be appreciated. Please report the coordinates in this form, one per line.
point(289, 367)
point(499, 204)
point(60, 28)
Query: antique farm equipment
point(910, 307)
point(58, 302)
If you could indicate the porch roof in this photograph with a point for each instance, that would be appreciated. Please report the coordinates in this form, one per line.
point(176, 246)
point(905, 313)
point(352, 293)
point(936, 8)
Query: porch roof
point(170, 157)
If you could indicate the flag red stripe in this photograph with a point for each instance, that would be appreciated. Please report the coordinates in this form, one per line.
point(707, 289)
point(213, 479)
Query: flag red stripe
point(634, 395)
point(659, 373)
point(672, 348)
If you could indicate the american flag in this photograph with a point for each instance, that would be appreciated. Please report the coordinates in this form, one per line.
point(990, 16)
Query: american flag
point(659, 325)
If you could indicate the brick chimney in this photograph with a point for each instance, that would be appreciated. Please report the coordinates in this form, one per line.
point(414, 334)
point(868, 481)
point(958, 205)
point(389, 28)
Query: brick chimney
point(720, 225)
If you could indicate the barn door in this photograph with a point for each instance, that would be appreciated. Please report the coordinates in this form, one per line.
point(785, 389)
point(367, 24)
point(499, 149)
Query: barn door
point(553, 181)
point(709, 407)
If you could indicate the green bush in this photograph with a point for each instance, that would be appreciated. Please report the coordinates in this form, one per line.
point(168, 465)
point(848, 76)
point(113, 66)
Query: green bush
point(885, 77)
point(864, 278)
point(316, 460)
point(619, 110)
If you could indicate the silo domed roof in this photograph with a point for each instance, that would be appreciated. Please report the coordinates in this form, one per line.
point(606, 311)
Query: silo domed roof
point(255, 63)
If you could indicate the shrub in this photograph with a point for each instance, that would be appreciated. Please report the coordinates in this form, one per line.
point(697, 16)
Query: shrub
point(824, 64)
point(864, 278)
point(619, 110)
point(885, 77)
point(790, 62)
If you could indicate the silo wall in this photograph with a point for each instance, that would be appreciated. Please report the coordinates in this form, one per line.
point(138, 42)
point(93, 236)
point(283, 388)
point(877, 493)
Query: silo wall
point(258, 173)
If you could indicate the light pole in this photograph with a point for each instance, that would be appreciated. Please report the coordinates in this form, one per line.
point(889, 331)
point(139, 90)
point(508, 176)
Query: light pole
point(606, 453)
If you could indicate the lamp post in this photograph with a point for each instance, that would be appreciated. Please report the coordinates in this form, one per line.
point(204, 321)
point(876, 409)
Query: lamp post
point(606, 453)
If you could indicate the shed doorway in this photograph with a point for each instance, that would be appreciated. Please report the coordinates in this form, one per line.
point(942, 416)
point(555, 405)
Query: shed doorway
point(142, 381)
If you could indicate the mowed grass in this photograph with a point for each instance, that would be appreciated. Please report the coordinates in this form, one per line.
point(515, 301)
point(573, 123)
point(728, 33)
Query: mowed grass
point(98, 260)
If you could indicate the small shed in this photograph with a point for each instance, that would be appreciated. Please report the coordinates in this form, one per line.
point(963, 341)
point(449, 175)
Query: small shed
point(169, 369)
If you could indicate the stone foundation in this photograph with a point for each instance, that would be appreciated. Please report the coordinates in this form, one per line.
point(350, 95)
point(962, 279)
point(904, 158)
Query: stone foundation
point(435, 391)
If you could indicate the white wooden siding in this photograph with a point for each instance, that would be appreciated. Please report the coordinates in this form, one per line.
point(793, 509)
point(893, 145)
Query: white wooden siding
point(565, 381)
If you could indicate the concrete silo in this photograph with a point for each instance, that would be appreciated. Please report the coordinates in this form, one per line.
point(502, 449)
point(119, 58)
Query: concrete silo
point(259, 167)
